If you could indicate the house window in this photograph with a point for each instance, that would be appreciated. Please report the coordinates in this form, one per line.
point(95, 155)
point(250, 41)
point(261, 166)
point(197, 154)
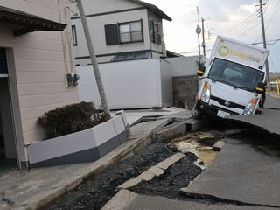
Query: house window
point(74, 35)
point(156, 31)
point(131, 32)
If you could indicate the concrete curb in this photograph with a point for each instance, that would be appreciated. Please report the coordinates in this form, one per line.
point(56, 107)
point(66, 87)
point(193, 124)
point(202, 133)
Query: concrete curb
point(154, 171)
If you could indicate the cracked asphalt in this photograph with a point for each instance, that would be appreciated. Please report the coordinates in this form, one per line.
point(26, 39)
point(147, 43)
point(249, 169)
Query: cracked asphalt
point(97, 190)
point(244, 175)
point(269, 121)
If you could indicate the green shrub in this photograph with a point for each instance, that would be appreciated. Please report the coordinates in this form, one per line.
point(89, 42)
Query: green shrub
point(71, 119)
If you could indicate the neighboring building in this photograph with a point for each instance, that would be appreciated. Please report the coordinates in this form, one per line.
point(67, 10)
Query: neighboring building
point(35, 56)
point(120, 29)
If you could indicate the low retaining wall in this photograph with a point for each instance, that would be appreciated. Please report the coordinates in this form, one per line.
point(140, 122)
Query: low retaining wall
point(81, 147)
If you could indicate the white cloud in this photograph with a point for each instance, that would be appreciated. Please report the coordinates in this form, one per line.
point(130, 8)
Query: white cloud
point(237, 19)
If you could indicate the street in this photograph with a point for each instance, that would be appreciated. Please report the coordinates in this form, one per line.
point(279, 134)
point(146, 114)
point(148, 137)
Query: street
point(242, 174)
point(139, 105)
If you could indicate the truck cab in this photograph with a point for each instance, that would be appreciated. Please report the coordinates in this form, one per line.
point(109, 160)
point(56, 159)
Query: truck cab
point(234, 81)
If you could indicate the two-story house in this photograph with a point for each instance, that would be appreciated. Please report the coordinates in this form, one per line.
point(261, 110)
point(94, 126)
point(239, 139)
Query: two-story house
point(120, 29)
point(35, 56)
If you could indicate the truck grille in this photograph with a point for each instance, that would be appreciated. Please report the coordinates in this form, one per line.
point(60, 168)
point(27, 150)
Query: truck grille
point(228, 104)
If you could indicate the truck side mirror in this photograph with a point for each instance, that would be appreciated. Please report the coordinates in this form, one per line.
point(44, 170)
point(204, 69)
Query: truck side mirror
point(201, 70)
point(260, 89)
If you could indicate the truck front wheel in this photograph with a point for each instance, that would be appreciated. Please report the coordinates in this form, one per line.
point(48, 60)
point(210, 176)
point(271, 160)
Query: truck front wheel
point(261, 104)
point(195, 113)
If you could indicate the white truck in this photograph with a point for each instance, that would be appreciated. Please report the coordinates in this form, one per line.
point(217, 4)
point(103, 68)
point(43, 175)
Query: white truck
point(234, 81)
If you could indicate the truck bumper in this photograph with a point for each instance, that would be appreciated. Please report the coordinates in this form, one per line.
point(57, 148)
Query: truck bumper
point(205, 108)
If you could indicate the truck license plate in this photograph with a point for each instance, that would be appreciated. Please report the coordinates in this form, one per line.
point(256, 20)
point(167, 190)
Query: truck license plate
point(222, 114)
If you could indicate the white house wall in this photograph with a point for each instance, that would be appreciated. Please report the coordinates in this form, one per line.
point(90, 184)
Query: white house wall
point(130, 84)
point(40, 67)
point(157, 50)
point(101, 6)
point(97, 31)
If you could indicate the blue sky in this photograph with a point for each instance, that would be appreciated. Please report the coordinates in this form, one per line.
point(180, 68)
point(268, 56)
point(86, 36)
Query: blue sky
point(237, 19)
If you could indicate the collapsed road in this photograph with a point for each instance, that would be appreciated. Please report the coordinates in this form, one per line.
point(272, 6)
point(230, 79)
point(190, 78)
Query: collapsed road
point(172, 169)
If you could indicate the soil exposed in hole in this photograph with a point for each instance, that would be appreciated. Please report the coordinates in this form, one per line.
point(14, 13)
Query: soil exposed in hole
point(199, 143)
point(97, 190)
point(177, 176)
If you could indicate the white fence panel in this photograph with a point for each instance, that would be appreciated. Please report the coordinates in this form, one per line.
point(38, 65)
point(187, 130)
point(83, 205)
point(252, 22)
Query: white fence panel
point(130, 84)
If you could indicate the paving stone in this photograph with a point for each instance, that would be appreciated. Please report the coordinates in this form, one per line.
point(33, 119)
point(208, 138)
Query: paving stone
point(156, 171)
point(121, 200)
point(130, 183)
point(205, 148)
point(147, 176)
point(218, 146)
point(170, 161)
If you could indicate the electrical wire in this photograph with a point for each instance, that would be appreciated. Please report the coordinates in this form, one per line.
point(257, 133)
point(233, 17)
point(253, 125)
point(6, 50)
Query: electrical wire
point(189, 52)
point(248, 29)
point(273, 14)
point(271, 18)
point(257, 24)
point(273, 42)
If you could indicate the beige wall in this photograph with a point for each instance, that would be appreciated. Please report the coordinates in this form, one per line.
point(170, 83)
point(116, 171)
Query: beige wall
point(101, 6)
point(97, 23)
point(41, 60)
point(42, 8)
point(97, 31)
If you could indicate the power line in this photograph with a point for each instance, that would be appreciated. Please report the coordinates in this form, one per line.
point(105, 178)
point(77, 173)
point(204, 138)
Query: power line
point(273, 14)
point(189, 52)
point(249, 18)
point(248, 29)
point(271, 19)
point(274, 42)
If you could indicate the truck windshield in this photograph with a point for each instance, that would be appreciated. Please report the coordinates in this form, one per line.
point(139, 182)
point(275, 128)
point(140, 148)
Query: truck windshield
point(236, 75)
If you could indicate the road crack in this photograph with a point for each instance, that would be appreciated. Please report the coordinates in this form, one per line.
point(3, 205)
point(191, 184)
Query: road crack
point(220, 201)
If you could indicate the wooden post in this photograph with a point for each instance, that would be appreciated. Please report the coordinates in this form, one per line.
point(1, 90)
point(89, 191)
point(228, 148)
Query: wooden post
point(93, 59)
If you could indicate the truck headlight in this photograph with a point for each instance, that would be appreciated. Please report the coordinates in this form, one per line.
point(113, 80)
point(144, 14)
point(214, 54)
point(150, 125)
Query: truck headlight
point(251, 107)
point(206, 93)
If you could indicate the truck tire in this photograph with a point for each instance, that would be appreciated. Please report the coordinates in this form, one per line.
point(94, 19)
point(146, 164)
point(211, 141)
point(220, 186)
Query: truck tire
point(196, 113)
point(262, 101)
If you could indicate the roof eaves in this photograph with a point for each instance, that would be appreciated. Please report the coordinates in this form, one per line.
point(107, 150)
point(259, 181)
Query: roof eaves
point(153, 8)
point(28, 22)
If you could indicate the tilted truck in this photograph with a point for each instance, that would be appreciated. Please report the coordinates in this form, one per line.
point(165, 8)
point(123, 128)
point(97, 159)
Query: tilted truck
point(234, 81)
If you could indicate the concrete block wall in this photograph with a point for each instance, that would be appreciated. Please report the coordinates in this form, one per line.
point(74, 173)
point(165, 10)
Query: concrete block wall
point(185, 89)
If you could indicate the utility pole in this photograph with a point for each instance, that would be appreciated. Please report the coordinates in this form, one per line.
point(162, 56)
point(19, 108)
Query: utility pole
point(264, 41)
point(203, 37)
point(93, 59)
point(198, 31)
